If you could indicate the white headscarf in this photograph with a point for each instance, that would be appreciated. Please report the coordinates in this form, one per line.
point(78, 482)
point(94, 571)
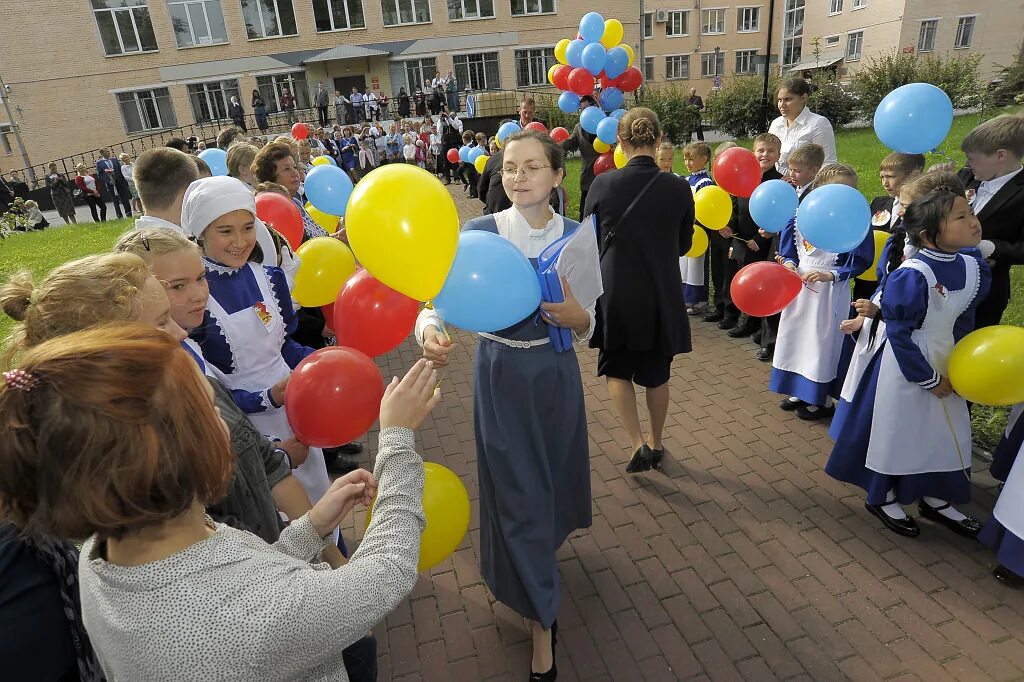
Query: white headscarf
point(207, 199)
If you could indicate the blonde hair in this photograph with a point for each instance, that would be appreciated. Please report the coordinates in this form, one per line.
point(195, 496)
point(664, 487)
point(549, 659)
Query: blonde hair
point(273, 187)
point(697, 149)
point(31, 204)
point(154, 241)
point(810, 155)
point(290, 142)
point(639, 128)
point(81, 167)
point(240, 155)
point(834, 172)
point(904, 164)
point(768, 138)
point(728, 144)
point(667, 147)
point(1002, 132)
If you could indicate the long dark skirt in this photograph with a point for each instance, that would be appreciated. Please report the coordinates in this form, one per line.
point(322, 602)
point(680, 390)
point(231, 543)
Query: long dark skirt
point(534, 468)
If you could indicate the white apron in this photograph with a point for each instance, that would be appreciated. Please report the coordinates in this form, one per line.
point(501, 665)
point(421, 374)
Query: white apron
point(255, 338)
point(809, 341)
point(692, 271)
point(863, 353)
point(1009, 509)
point(1011, 421)
point(910, 427)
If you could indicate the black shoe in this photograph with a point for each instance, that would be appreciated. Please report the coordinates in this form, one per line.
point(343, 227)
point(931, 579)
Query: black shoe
point(766, 354)
point(350, 449)
point(756, 338)
point(641, 460)
point(906, 526)
point(727, 322)
point(811, 413)
point(969, 527)
point(714, 316)
point(739, 331)
point(1008, 577)
point(656, 456)
point(551, 674)
point(790, 405)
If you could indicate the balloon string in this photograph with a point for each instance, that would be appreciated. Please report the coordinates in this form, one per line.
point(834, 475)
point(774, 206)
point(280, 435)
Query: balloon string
point(956, 441)
point(444, 370)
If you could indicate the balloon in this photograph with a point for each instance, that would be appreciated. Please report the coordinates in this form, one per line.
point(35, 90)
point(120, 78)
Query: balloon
point(322, 161)
point(616, 63)
point(551, 73)
point(506, 129)
point(914, 118)
point(569, 102)
point(590, 118)
point(631, 79)
point(713, 207)
point(328, 188)
point(987, 366)
point(871, 274)
point(325, 265)
point(559, 76)
point(404, 228)
point(480, 162)
point(607, 130)
point(620, 157)
point(618, 114)
point(629, 51)
point(452, 155)
point(216, 159)
point(560, 134)
point(333, 397)
point(773, 204)
point(737, 171)
point(612, 33)
point(372, 318)
point(325, 220)
point(300, 131)
point(560, 47)
point(464, 153)
point(574, 53)
point(491, 284)
point(612, 98)
point(700, 243)
point(581, 82)
point(592, 27)
point(538, 126)
point(604, 162)
point(764, 288)
point(835, 218)
point(602, 148)
point(594, 56)
point(281, 214)
point(475, 153)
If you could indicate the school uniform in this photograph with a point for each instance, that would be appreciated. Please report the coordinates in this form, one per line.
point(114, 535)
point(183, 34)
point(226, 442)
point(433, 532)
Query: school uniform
point(533, 455)
point(746, 230)
point(884, 215)
point(694, 271)
point(898, 436)
point(1009, 445)
point(770, 324)
point(1004, 531)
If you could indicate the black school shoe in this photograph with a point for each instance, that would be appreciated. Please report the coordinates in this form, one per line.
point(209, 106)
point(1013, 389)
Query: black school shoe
point(906, 526)
point(728, 322)
point(714, 316)
point(789, 405)
point(1008, 577)
point(810, 413)
point(745, 329)
point(969, 527)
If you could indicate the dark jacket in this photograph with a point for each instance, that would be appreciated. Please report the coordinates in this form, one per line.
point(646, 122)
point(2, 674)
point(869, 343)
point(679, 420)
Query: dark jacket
point(882, 203)
point(489, 187)
point(583, 142)
point(118, 179)
point(746, 229)
point(642, 307)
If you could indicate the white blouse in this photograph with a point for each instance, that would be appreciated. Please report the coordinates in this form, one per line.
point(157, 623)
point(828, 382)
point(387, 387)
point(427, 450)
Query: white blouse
point(808, 127)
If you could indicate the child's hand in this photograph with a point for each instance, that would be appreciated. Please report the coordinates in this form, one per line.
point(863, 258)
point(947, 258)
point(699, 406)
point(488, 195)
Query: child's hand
point(436, 346)
point(407, 403)
point(752, 244)
point(297, 452)
point(945, 388)
point(864, 307)
point(764, 233)
point(726, 232)
point(279, 390)
point(851, 326)
point(817, 276)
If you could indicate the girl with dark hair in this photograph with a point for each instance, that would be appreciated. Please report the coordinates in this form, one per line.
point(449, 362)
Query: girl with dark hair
point(797, 125)
point(259, 110)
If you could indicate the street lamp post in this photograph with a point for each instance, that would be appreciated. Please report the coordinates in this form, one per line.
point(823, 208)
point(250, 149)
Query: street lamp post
point(17, 131)
point(767, 64)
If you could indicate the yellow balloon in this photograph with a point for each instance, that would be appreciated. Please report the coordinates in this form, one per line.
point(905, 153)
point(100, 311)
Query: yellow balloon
point(446, 507)
point(551, 73)
point(620, 157)
point(325, 265)
point(871, 274)
point(480, 162)
point(700, 243)
point(320, 161)
point(987, 366)
point(404, 228)
point(713, 207)
point(560, 48)
point(325, 220)
point(612, 33)
point(629, 50)
point(600, 146)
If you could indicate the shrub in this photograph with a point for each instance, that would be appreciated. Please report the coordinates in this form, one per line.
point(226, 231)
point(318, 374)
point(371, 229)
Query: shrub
point(736, 108)
point(831, 100)
point(554, 117)
point(957, 76)
point(1008, 86)
point(677, 116)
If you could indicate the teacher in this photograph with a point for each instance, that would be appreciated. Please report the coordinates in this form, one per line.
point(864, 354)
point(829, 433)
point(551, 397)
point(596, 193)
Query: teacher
point(798, 125)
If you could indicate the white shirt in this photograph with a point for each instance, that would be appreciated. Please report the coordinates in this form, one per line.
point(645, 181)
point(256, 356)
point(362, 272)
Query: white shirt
point(989, 188)
point(807, 128)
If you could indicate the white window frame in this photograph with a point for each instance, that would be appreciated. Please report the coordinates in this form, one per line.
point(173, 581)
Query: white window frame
point(649, 73)
point(398, 13)
point(740, 19)
point(648, 19)
point(164, 125)
point(548, 56)
point(850, 36)
point(684, 59)
point(144, 4)
point(483, 56)
point(479, 12)
point(750, 56)
point(208, 96)
point(280, 78)
point(277, 11)
point(859, 4)
point(5, 143)
point(684, 16)
point(792, 31)
point(723, 13)
point(832, 40)
point(717, 62)
point(921, 33)
point(348, 17)
point(540, 4)
point(426, 72)
point(959, 25)
point(206, 18)
point(835, 7)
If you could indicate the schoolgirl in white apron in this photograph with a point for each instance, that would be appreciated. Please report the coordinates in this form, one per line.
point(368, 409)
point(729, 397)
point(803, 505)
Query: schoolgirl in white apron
point(694, 270)
point(1004, 532)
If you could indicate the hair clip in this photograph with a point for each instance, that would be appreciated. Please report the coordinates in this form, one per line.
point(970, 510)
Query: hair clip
point(20, 379)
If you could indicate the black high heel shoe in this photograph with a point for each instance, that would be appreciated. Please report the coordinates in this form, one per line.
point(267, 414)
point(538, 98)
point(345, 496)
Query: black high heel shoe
point(552, 673)
point(656, 456)
point(641, 460)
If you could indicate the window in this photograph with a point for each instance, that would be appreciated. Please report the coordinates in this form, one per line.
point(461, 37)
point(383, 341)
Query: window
point(678, 24)
point(197, 22)
point(210, 100)
point(926, 38)
point(793, 32)
point(532, 66)
point(268, 18)
point(470, 9)
point(964, 32)
point(677, 67)
point(648, 69)
point(860, 4)
point(832, 41)
point(712, 64)
point(398, 12)
point(338, 15)
point(146, 110)
point(835, 6)
point(748, 19)
point(854, 45)
point(5, 141)
point(746, 61)
point(648, 25)
point(478, 71)
point(524, 7)
point(270, 90)
point(419, 72)
point(712, 21)
point(125, 26)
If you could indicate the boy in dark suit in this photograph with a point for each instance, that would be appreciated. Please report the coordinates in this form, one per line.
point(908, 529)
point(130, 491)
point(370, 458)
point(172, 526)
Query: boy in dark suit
point(995, 188)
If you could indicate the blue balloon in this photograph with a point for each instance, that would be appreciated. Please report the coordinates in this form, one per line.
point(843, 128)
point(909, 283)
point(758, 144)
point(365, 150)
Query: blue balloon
point(475, 153)
point(835, 218)
point(594, 56)
point(773, 204)
point(914, 118)
point(612, 99)
point(574, 53)
point(328, 189)
point(330, 159)
point(216, 159)
point(590, 118)
point(616, 62)
point(491, 284)
point(507, 128)
point(592, 27)
point(607, 130)
point(618, 114)
point(569, 102)
point(464, 154)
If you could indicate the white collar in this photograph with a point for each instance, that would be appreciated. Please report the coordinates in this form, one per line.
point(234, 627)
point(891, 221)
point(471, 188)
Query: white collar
point(996, 184)
point(518, 221)
point(804, 118)
point(938, 255)
point(142, 222)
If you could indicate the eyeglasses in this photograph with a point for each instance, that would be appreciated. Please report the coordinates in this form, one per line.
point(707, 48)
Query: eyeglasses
point(527, 171)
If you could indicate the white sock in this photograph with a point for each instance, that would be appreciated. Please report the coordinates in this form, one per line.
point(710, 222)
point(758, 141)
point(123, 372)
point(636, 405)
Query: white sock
point(949, 512)
point(794, 399)
point(828, 402)
point(891, 508)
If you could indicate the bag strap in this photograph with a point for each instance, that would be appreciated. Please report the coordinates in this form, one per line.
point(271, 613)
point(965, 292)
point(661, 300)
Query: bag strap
point(610, 235)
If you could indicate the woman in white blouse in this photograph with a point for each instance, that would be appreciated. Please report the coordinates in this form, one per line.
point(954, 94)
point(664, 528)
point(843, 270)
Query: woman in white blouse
point(798, 125)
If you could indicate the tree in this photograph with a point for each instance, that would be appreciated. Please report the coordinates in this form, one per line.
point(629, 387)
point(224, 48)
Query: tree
point(1008, 86)
point(957, 76)
point(672, 105)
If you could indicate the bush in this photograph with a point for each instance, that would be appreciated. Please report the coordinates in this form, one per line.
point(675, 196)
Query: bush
point(736, 108)
point(957, 76)
point(672, 105)
point(832, 101)
point(1008, 86)
point(554, 117)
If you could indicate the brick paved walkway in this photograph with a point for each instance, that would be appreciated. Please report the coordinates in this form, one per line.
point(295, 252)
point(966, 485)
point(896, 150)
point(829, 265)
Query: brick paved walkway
point(743, 560)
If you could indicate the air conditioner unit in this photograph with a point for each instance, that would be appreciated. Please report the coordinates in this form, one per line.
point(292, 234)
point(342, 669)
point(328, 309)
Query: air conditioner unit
point(661, 16)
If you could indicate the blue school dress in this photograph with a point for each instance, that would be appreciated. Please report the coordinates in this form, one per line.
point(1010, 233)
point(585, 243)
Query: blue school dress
point(1009, 445)
point(694, 271)
point(810, 343)
point(1004, 532)
point(898, 436)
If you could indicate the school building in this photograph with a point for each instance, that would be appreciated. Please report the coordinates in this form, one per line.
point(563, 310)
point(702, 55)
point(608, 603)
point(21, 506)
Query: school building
point(100, 72)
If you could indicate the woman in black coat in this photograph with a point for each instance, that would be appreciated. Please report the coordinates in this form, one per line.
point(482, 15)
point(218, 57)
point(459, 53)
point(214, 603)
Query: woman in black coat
point(237, 114)
point(645, 223)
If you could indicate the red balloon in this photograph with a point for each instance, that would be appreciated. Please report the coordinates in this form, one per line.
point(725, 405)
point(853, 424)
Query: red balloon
point(560, 76)
point(538, 126)
point(632, 79)
point(300, 131)
point(581, 82)
point(604, 162)
point(281, 214)
point(737, 171)
point(559, 134)
point(333, 397)
point(328, 311)
point(607, 82)
point(763, 289)
point(371, 317)
point(452, 155)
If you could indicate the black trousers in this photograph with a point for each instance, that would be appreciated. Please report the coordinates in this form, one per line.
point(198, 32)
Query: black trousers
point(95, 203)
point(361, 660)
point(324, 119)
point(583, 202)
point(722, 270)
